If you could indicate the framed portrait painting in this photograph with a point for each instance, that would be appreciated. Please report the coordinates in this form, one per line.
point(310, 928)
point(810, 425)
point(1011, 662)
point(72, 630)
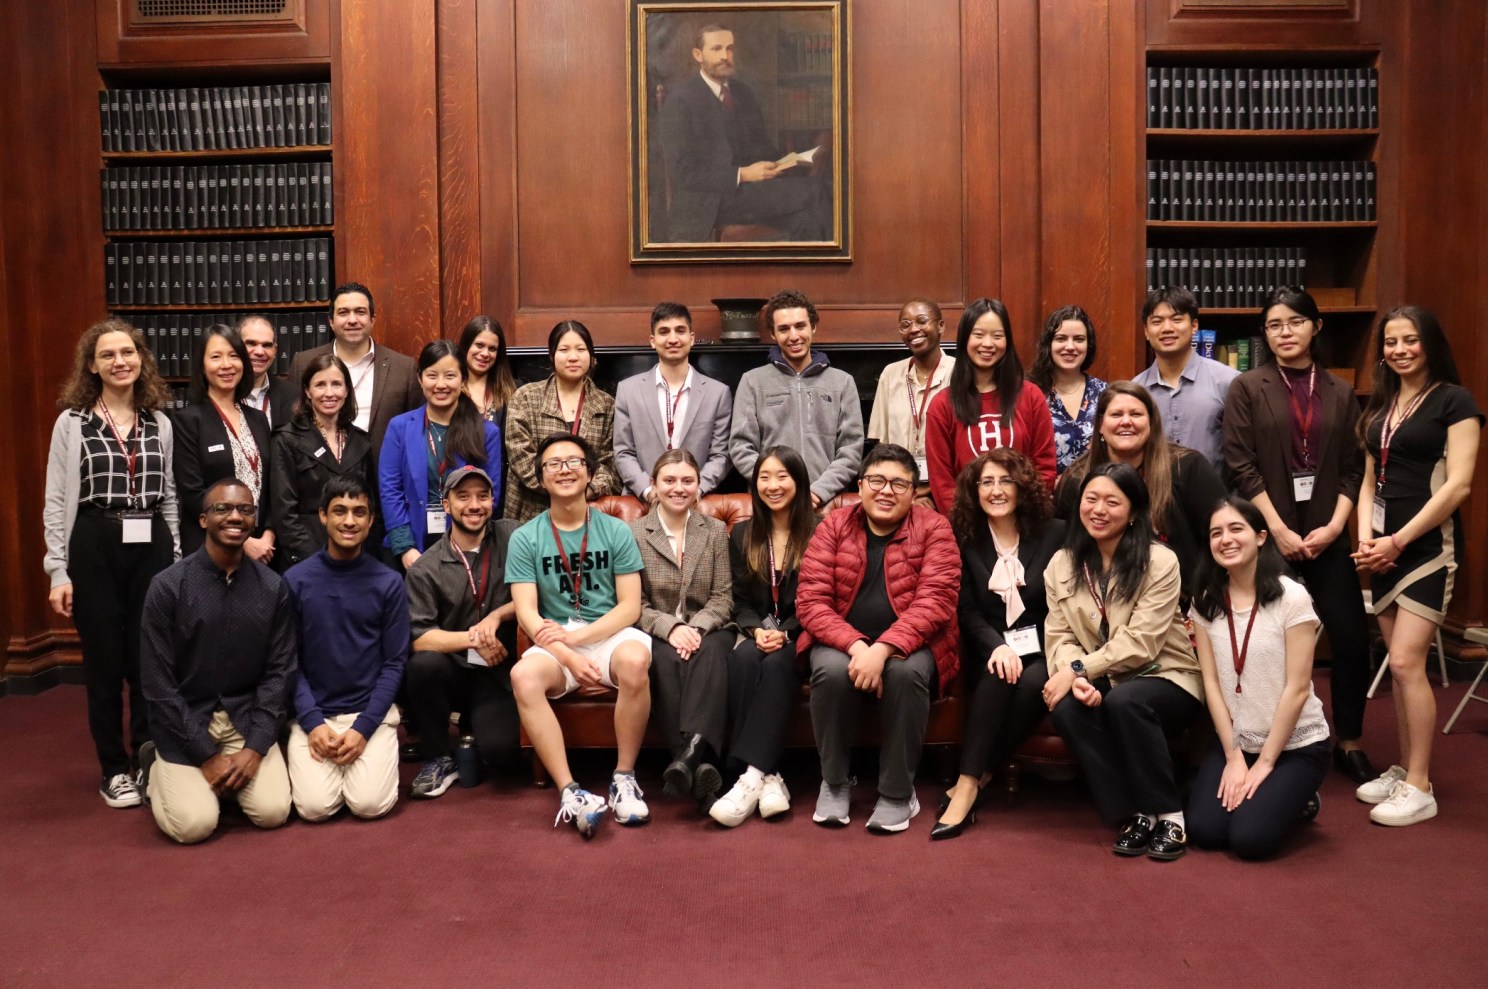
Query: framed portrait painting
point(739, 131)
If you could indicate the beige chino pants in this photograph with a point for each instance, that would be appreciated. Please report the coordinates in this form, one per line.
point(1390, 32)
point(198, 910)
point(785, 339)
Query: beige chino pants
point(185, 807)
point(367, 787)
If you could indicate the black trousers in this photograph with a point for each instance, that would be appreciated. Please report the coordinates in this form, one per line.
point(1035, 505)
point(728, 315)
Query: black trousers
point(1122, 745)
point(1334, 586)
point(435, 684)
point(762, 691)
point(109, 581)
point(1256, 829)
point(1000, 714)
point(691, 698)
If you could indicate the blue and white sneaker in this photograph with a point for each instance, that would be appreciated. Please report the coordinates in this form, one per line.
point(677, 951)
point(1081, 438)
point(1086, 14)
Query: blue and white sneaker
point(626, 802)
point(583, 808)
point(437, 776)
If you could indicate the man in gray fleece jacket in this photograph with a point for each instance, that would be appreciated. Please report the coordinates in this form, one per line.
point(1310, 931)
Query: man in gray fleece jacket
point(798, 400)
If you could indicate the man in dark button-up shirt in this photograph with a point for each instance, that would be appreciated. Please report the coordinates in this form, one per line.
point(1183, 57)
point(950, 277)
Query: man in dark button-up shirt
point(217, 654)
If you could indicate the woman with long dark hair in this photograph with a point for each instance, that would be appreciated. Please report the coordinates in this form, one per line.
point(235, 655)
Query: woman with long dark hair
point(986, 405)
point(424, 445)
point(764, 671)
point(567, 401)
point(1254, 629)
point(1181, 485)
point(1122, 673)
point(1007, 539)
point(488, 380)
point(110, 524)
point(320, 442)
point(220, 437)
point(1306, 488)
point(1061, 365)
point(1420, 431)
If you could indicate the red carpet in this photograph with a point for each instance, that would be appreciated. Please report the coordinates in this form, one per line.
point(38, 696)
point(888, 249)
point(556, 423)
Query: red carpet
point(477, 888)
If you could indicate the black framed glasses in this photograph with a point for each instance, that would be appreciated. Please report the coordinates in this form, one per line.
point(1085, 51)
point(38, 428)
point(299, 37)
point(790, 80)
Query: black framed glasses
point(898, 485)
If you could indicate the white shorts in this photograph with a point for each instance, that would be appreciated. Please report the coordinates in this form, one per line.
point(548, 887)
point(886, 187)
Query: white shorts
point(600, 652)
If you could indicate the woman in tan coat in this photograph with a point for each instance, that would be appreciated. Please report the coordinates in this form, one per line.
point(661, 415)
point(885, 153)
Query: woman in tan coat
point(1122, 671)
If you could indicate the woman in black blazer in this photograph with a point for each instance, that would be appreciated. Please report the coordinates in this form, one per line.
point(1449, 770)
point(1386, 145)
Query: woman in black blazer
point(319, 443)
point(217, 437)
point(1001, 518)
point(1290, 447)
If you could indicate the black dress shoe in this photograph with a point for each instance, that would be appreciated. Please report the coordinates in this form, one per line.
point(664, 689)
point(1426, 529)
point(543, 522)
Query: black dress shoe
point(679, 778)
point(1168, 842)
point(1354, 764)
point(1310, 810)
point(976, 803)
point(707, 781)
point(1134, 838)
point(941, 832)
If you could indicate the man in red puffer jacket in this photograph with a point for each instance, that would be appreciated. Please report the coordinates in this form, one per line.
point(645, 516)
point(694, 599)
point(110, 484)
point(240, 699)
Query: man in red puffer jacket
point(877, 598)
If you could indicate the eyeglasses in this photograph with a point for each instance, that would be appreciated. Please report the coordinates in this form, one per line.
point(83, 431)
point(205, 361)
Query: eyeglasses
point(1295, 322)
point(988, 483)
point(898, 485)
point(568, 463)
point(922, 321)
point(224, 508)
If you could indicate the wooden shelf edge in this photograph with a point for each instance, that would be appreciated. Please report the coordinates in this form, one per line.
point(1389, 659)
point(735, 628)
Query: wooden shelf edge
point(217, 306)
point(213, 234)
point(285, 152)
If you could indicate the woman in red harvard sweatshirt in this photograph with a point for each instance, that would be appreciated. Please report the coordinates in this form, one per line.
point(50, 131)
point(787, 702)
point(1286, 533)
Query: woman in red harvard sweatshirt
point(986, 405)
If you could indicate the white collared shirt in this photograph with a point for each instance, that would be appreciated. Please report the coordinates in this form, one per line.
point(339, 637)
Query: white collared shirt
point(258, 398)
point(361, 384)
point(664, 397)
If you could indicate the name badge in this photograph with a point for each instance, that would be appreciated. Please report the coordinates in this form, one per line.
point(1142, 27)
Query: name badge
point(1378, 522)
point(137, 526)
point(1302, 487)
point(216, 448)
point(474, 658)
point(924, 469)
point(435, 517)
point(319, 453)
point(1023, 641)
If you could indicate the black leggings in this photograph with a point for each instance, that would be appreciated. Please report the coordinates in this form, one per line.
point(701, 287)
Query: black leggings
point(1255, 829)
point(1334, 586)
point(763, 689)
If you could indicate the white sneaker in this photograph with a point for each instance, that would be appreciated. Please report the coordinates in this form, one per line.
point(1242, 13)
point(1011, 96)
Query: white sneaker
point(583, 808)
point(626, 802)
point(1377, 791)
point(774, 797)
point(734, 808)
point(1407, 805)
point(119, 790)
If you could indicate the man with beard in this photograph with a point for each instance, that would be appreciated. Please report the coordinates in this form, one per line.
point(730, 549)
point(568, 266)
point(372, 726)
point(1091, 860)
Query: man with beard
point(906, 387)
point(460, 613)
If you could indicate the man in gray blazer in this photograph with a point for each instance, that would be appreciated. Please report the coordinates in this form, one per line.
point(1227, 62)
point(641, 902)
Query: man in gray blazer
point(385, 382)
point(671, 406)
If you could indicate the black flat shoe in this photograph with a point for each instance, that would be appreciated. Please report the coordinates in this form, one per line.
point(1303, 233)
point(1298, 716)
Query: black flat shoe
point(941, 832)
point(1134, 838)
point(1354, 764)
point(1168, 842)
point(707, 783)
point(1310, 811)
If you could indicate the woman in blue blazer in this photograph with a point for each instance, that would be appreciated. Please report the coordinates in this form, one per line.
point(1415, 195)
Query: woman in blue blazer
point(424, 445)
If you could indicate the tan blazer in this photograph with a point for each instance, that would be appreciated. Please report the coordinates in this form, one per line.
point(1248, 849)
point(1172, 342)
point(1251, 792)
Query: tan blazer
point(705, 587)
point(1149, 628)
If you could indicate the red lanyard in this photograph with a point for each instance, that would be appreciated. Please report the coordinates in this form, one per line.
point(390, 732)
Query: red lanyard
point(919, 417)
point(477, 593)
point(232, 431)
point(1387, 435)
point(129, 449)
point(441, 463)
point(1304, 418)
point(1238, 651)
point(774, 579)
point(1100, 602)
point(670, 404)
point(573, 582)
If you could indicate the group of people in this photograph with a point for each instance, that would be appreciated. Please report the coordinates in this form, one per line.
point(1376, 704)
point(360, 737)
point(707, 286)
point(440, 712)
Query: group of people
point(1118, 556)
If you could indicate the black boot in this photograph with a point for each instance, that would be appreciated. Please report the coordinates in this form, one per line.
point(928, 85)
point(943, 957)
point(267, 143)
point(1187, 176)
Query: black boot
point(680, 772)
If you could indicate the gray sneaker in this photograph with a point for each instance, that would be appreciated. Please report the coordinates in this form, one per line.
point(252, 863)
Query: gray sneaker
point(890, 816)
point(833, 804)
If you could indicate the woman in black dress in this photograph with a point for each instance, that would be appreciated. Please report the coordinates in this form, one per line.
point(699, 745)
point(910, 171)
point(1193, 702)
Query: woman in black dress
point(1420, 432)
point(1001, 518)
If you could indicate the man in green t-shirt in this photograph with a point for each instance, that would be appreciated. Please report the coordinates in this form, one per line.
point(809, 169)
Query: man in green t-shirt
point(575, 579)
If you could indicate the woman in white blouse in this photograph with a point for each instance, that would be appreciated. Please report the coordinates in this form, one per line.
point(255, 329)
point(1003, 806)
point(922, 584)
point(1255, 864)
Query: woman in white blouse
point(1256, 629)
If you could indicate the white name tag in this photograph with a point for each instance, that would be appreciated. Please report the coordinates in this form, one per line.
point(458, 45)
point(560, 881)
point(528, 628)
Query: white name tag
point(474, 658)
point(1023, 641)
point(924, 469)
point(1302, 487)
point(137, 528)
point(216, 448)
point(320, 452)
point(435, 517)
point(1378, 522)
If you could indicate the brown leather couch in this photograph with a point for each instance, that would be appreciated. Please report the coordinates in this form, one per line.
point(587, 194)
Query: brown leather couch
point(587, 715)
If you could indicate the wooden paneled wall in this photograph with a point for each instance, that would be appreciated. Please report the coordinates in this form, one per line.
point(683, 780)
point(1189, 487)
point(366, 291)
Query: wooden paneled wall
point(480, 161)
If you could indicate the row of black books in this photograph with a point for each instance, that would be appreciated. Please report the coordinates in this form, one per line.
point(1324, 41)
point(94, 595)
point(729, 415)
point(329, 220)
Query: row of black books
point(218, 118)
point(172, 337)
point(1198, 98)
point(1227, 277)
point(211, 197)
point(1261, 191)
point(217, 272)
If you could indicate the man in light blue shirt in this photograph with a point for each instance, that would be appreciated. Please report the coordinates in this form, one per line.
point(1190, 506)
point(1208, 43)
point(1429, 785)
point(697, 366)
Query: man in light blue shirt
point(1188, 389)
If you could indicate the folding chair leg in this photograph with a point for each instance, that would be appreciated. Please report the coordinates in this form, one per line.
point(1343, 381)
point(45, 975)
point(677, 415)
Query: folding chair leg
point(1441, 656)
point(1384, 665)
point(1471, 695)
